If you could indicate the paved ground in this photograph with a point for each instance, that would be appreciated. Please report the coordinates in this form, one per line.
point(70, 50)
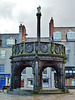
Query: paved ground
point(71, 96)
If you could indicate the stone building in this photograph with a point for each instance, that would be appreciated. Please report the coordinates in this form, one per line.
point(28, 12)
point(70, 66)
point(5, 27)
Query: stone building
point(64, 35)
point(6, 42)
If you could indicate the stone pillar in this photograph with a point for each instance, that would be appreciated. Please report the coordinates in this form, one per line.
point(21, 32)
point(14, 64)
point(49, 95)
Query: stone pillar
point(52, 72)
point(37, 76)
point(15, 77)
point(62, 78)
point(58, 81)
point(17, 81)
point(12, 76)
point(40, 78)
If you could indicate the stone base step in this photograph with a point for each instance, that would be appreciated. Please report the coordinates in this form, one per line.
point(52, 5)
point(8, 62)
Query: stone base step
point(31, 92)
point(51, 92)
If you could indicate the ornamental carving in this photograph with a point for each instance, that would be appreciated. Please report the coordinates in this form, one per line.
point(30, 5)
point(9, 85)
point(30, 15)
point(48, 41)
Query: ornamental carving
point(22, 48)
point(44, 48)
point(29, 48)
point(36, 47)
point(57, 49)
point(17, 50)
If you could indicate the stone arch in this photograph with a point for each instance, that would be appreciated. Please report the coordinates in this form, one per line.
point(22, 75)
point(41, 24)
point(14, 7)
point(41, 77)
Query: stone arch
point(37, 66)
point(16, 73)
point(53, 64)
point(57, 69)
point(58, 66)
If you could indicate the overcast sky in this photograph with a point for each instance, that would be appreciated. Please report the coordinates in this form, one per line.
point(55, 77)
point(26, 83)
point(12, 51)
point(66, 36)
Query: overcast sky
point(14, 12)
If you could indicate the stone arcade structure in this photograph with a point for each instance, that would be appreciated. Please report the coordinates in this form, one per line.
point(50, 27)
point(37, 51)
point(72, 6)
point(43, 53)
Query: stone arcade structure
point(38, 55)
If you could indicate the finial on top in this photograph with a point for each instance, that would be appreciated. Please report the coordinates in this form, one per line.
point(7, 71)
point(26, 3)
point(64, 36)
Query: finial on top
point(39, 9)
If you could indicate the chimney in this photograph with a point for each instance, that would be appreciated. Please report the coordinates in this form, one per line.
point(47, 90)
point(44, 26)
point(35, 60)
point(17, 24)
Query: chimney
point(51, 27)
point(22, 33)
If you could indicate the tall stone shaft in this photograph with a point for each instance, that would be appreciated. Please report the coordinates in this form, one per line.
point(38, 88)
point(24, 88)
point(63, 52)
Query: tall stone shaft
point(38, 23)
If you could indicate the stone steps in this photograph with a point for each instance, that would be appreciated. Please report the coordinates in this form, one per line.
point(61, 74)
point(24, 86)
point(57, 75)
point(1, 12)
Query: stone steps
point(51, 91)
point(31, 92)
point(21, 92)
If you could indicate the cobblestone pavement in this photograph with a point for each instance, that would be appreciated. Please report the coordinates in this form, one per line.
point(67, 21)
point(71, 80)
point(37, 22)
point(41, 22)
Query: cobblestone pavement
point(71, 96)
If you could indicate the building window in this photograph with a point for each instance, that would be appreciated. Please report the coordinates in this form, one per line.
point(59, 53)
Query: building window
point(45, 82)
point(70, 71)
point(57, 36)
point(2, 54)
point(45, 71)
point(73, 71)
point(11, 41)
point(30, 83)
point(66, 71)
point(2, 68)
point(70, 36)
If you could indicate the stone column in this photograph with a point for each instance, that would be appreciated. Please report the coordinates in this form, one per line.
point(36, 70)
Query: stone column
point(40, 78)
point(12, 76)
point(17, 81)
point(15, 76)
point(58, 81)
point(37, 76)
point(52, 72)
point(62, 78)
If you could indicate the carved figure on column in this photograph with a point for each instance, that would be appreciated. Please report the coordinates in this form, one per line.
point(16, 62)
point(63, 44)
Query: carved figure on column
point(39, 9)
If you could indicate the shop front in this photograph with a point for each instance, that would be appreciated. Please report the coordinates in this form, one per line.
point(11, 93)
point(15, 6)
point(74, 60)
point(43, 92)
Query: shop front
point(45, 83)
point(4, 80)
point(70, 82)
point(70, 77)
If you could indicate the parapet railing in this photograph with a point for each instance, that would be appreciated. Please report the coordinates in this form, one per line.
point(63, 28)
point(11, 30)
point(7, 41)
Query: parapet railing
point(38, 48)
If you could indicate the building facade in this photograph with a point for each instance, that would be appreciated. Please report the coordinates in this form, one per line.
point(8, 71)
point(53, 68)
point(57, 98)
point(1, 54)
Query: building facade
point(66, 36)
point(6, 42)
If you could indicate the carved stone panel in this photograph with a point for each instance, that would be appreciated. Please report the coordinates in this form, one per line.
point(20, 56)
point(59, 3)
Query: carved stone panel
point(44, 48)
point(29, 48)
point(57, 49)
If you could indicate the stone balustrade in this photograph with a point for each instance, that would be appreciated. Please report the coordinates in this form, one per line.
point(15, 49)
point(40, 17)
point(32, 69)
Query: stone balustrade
point(38, 48)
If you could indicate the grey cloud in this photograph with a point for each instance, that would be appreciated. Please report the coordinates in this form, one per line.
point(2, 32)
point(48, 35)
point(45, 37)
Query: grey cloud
point(61, 10)
point(6, 9)
point(64, 13)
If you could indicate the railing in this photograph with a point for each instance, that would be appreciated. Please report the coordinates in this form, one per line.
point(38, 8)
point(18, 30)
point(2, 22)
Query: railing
point(38, 48)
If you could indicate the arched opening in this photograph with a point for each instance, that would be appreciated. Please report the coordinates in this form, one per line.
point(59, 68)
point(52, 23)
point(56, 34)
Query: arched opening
point(51, 76)
point(37, 77)
point(27, 78)
point(21, 76)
